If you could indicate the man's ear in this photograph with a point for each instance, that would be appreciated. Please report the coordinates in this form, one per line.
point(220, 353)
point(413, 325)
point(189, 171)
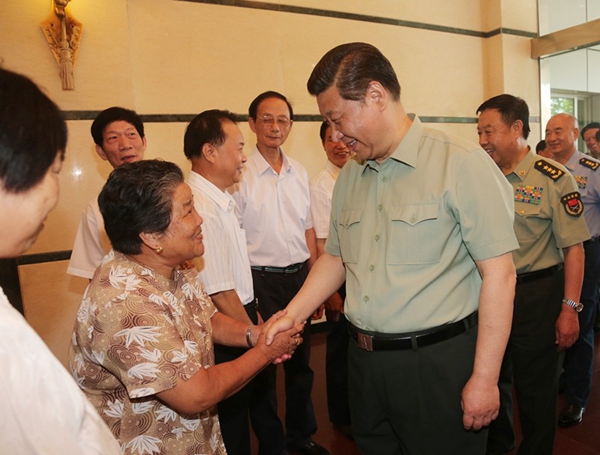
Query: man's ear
point(517, 127)
point(252, 124)
point(101, 153)
point(377, 94)
point(209, 152)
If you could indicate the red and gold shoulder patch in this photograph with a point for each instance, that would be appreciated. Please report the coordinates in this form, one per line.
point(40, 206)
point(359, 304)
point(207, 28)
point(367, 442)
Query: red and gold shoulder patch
point(586, 162)
point(549, 169)
point(572, 203)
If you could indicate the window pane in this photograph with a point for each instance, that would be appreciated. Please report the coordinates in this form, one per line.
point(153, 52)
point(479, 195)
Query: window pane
point(563, 105)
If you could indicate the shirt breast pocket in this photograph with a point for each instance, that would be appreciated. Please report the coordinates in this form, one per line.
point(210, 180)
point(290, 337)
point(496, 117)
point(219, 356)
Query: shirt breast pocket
point(415, 235)
point(529, 223)
point(349, 234)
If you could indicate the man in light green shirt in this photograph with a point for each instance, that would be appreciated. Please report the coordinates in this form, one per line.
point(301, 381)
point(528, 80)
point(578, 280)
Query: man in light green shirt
point(550, 230)
point(422, 231)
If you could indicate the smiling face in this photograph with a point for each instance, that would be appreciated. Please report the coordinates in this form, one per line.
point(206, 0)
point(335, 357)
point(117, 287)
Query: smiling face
point(121, 144)
point(355, 123)
point(337, 152)
point(182, 240)
point(590, 141)
point(230, 157)
point(561, 135)
point(27, 211)
point(498, 139)
point(272, 125)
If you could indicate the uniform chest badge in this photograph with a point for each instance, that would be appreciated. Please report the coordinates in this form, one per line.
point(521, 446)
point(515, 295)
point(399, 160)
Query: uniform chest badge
point(549, 169)
point(528, 194)
point(572, 204)
point(586, 162)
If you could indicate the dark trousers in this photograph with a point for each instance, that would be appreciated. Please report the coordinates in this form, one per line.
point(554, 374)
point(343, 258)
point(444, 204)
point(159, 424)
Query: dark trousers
point(336, 369)
point(234, 411)
point(532, 359)
point(579, 360)
point(409, 401)
point(274, 291)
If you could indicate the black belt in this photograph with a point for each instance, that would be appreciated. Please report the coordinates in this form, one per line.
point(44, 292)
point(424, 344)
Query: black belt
point(289, 269)
point(394, 342)
point(532, 276)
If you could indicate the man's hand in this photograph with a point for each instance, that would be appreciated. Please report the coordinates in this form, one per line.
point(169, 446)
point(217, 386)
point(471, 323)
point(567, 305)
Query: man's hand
point(567, 328)
point(278, 325)
point(334, 307)
point(278, 341)
point(318, 314)
point(480, 402)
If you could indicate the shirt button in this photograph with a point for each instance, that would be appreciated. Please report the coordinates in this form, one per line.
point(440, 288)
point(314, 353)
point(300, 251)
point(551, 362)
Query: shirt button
point(376, 237)
point(366, 298)
point(371, 268)
point(413, 219)
point(522, 212)
point(380, 207)
point(384, 179)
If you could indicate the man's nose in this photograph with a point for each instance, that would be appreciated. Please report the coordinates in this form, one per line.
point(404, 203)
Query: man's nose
point(336, 135)
point(123, 142)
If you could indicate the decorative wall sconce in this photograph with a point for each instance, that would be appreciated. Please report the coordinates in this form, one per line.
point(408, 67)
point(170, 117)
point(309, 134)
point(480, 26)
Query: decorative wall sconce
point(63, 33)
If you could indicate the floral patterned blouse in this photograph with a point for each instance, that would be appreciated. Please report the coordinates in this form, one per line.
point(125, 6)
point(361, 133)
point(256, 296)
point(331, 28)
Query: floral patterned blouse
point(136, 333)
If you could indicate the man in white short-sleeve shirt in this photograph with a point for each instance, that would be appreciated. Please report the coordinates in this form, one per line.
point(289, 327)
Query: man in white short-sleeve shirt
point(215, 146)
point(273, 207)
point(119, 137)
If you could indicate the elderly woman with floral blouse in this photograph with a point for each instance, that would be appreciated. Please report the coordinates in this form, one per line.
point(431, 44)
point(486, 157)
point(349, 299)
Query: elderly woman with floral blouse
point(143, 342)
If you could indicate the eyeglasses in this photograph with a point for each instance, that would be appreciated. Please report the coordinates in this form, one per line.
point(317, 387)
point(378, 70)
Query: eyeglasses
point(282, 122)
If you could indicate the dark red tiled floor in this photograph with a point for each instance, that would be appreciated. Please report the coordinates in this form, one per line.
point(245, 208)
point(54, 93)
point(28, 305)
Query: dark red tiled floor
point(582, 439)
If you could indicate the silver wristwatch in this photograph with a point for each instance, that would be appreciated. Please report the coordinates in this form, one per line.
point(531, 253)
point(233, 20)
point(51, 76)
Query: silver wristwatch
point(575, 305)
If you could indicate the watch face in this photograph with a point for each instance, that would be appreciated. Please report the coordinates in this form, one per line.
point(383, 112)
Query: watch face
point(579, 307)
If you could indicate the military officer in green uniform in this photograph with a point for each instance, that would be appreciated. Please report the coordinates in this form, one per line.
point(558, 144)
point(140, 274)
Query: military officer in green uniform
point(549, 263)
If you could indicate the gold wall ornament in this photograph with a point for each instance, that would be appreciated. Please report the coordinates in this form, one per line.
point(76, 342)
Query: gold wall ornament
point(63, 33)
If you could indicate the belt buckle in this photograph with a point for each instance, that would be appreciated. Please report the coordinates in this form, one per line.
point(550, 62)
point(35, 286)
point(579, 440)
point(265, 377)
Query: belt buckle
point(364, 341)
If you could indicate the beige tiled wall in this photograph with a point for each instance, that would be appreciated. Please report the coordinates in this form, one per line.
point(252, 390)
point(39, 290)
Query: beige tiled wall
point(178, 57)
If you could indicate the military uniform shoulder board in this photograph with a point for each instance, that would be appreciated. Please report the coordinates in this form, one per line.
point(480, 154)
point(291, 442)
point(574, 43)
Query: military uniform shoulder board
point(549, 169)
point(572, 203)
point(586, 162)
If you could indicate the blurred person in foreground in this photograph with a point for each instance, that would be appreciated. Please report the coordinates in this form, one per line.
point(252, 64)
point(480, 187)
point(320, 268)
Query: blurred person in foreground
point(143, 340)
point(427, 261)
point(41, 408)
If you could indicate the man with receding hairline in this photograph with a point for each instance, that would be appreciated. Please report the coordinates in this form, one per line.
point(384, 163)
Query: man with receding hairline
point(561, 136)
point(273, 207)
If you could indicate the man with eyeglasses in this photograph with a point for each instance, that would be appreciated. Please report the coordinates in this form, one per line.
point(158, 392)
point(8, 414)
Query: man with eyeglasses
point(273, 207)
